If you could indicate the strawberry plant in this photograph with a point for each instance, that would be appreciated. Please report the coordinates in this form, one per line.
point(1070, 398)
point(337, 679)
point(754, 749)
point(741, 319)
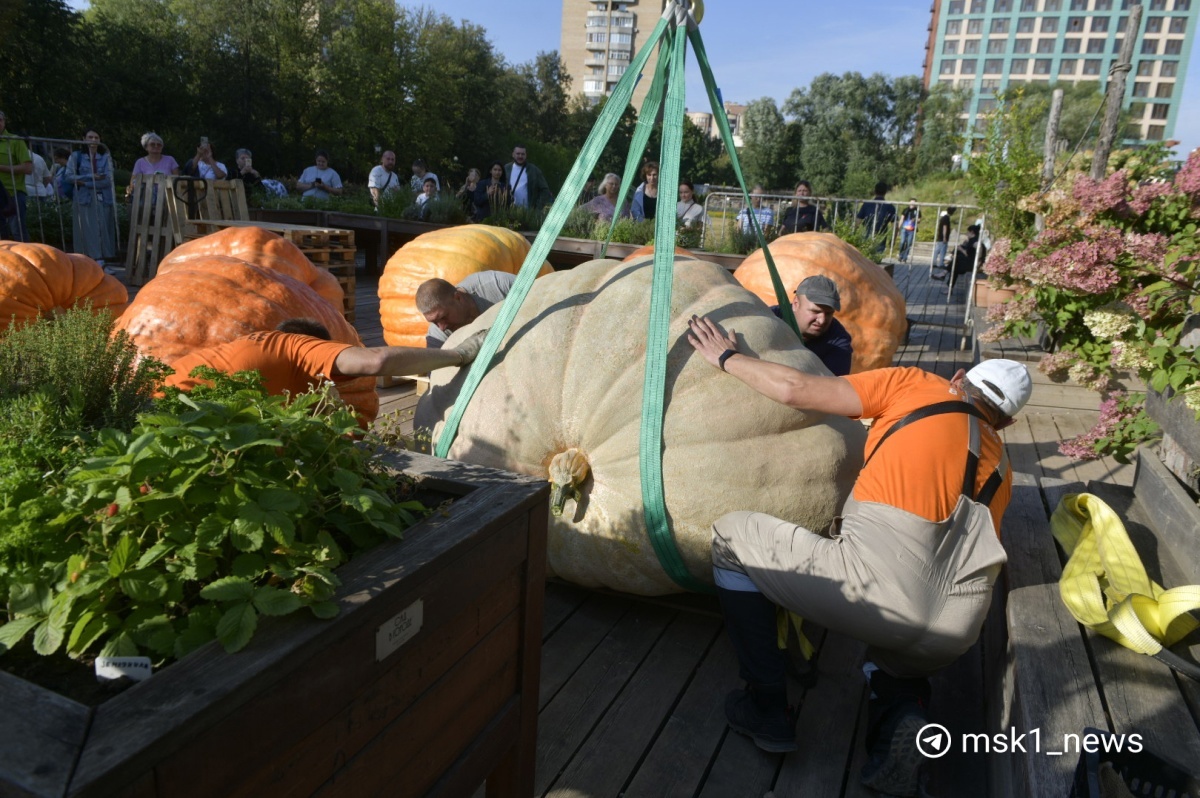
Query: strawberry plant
point(219, 506)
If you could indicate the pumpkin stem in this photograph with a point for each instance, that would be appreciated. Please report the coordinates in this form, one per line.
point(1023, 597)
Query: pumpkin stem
point(567, 470)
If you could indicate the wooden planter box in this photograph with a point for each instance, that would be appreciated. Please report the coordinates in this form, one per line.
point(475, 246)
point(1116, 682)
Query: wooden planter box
point(1180, 448)
point(425, 684)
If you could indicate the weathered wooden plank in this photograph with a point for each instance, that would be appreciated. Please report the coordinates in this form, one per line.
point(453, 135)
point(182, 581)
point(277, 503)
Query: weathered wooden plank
point(1022, 452)
point(1055, 689)
point(740, 769)
point(40, 736)
point(575, 640)
point(569, 718)
point(606, 761)
point(959, 704)
point(679, 756)
point(1174, 512)
point(1045, 436)
point(562, 599)
point(829, 714)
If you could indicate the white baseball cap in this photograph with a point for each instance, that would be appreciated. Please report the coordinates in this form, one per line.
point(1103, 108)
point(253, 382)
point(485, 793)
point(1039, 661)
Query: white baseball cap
point(1005, 382)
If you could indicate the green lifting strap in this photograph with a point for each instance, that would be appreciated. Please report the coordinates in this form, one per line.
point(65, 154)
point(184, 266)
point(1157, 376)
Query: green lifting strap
point(562, 207)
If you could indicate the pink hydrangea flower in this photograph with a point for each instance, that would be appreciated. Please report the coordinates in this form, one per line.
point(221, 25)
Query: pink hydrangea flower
point(1149, 248)
point(1187, 179)
point(1112, 415)
point(1099, 197)
point(1145, 194)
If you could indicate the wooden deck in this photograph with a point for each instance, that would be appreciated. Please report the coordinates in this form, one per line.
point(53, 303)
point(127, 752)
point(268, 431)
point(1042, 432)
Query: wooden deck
point(632, 690)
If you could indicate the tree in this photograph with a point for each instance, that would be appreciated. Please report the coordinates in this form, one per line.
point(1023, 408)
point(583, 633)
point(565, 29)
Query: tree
point(40, 88)
point(763, 156)
point(941, 130)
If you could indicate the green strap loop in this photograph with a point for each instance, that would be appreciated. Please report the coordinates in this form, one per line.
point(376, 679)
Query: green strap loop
point(562, 207)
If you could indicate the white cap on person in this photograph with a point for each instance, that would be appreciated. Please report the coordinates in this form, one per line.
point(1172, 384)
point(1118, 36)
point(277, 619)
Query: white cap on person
point(1005, 382)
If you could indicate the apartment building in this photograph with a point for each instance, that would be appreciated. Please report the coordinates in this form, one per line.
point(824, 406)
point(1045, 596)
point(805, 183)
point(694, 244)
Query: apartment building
point(600, 38)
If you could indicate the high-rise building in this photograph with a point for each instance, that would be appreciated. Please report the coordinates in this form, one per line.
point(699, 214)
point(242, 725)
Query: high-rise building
point(600, 38)
point(988, 46)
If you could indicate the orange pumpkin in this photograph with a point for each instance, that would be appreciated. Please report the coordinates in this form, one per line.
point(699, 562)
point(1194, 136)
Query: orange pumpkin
point(649, 250)
point(36, 280)
point(261, 248)
point(210, 300)
point(451, 253)
point(873, 309)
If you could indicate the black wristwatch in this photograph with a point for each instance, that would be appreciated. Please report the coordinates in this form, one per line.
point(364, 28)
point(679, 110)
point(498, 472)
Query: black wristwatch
point(728, 353)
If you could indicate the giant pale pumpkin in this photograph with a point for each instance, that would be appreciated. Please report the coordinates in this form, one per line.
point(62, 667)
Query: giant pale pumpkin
point(261, 248)
point(451, 253)
point(37, 280)
point(563, 398)
point(873, 309)
point(210, 300)
point(648, 249)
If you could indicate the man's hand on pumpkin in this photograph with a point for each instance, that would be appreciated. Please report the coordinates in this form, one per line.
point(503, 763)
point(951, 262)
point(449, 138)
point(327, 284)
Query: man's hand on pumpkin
point(709, 339)
point(469, 348)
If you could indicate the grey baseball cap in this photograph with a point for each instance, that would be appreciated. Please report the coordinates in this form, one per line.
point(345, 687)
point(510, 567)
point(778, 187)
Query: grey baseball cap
point(820, 290)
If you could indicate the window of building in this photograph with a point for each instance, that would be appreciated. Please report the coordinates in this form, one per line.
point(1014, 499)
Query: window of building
point(1025, 25)
point(1155, 132)
point(593, 85)
point(1095, 45)
point(954, 27)
point(1174, 47)
point(1122, 23)
point(1160, 111)
point(617, 69)
point(1183, 5)
point(1154, 24)
point(987, 105)
point(956, 7)
point(596, 22)
point(1137, 110)
point(1079, 5)
point(1099, 24)
point(1041, 66)
point(1071, 45)
point(1075, 24)
point(1168, 69)
point(993, 66)
point(989, 85)
point(1001, 6)
point(1067, 66)
point(597, 38)
point(997, 46)
point(1052, 5)
point(1049, 25)
point(618, 55)
point(1117, 45)
point(1150, 46)
point(968, 66)
point(1045, 46)
point(1163, 90)
point(974, 26)
point(971, 46)
point(1029, 5)
point(1145, 69)
point(947, 67)
point(1178, 24)
point(1091, 66)
point(1141, 89)
point(622, 22)
point(978, 6)
point(622, 38)
point(1158, 5)
point(999, 26)
point(1019, 66)
point(950, 47)
point(1103, 5)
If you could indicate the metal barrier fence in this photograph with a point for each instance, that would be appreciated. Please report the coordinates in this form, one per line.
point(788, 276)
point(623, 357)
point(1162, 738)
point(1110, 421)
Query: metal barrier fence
point(72, 205)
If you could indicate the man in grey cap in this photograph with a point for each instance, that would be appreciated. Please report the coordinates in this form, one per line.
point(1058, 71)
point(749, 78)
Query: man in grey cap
point(816, 300)
point(907, 567)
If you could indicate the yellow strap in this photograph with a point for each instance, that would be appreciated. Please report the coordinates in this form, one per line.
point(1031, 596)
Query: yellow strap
point(782, 617)
point(1104, 583)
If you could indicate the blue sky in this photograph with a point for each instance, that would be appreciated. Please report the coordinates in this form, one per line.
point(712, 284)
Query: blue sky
point(769, 47)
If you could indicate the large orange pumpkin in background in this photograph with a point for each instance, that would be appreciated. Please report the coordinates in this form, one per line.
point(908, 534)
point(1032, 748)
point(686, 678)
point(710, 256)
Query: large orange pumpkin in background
point(680, 252)
point(210, 300)
point(37, 279)
point(451, 253)
point(261, 248)
point(873, 309)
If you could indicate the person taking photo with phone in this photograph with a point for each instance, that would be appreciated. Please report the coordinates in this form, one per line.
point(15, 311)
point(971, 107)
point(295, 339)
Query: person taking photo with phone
point(319, 182)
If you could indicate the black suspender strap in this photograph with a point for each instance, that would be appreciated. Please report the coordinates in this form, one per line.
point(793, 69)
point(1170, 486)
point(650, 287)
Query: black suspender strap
point(941, 408)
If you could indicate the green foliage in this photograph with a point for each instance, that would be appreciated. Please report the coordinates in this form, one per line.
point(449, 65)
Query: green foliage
point(764, 156)
point(516, 217)
point(1008, 169)
point(219, 507)
point(857, 235)
point(631, 231)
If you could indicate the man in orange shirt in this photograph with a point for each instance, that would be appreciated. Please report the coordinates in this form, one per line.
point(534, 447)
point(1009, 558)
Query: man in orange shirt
point(298, 354)
point(908, 567)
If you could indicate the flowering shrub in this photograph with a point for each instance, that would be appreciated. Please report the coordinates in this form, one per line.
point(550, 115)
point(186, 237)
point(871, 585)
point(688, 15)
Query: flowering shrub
point(1115, 276)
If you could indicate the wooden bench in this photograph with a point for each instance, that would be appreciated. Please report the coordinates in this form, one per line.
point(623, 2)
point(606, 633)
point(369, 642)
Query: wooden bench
point(1063, 678)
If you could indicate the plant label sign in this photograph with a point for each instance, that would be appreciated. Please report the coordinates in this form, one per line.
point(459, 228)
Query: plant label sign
point(113, 668)
point(399, 630)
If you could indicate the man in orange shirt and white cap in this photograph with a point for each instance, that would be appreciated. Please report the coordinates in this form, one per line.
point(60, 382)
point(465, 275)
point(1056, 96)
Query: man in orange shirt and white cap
point(909, 565)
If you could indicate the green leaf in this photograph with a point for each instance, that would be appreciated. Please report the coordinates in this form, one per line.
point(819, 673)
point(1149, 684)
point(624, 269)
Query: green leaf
point(211, 531)
point(346, 481)
point(47, 638)
point(144, 585)
point(248, 566)
point(273, 601)
point(236, 626)
point(12, 632)
point(30, 598)
point(192, 638)
point(125, 552)
point(325, 609)
point(121, 645)
point(279, 500)
point(282, 529)
point(247, 535)
point(88, 629)
point(231, 588)
point(154, 554)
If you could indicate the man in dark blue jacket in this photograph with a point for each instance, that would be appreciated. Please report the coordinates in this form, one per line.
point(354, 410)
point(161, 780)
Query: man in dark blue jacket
point(816, 300)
